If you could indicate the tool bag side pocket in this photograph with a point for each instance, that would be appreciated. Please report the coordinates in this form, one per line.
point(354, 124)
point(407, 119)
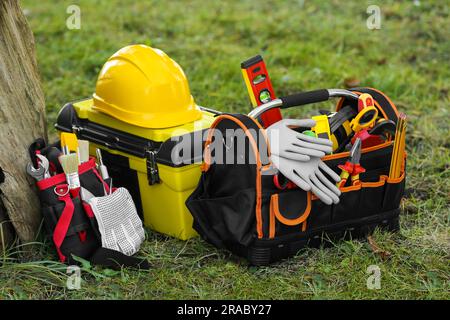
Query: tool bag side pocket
point(365, 198)
point(394, 193)
point(347, 208)
point(71, 230)
point(225, 220)
point(372, 194)
point(288, 212)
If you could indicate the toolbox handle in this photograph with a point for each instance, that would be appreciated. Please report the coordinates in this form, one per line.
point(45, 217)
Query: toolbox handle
point(302, 98)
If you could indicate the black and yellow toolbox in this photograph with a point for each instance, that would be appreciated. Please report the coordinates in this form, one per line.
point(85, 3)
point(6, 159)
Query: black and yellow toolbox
point(240, 207)
point(141, 112)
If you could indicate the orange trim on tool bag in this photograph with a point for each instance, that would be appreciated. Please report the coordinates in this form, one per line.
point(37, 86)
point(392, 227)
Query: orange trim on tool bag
point(357, 183)
point(341, 101)
point(403, 166)
point(362, 184)
point(387, 98)
point(271, 221)
point(207, 153)
point(339, 104)
point(275, 210)
point(396, 180)
point(266, 167)
point(304, 226)
point(365, 150)
point(351, 188)
point(347, 154)
point(376, 184)
point(264, 133)
point(207, 156)
point(258, 177)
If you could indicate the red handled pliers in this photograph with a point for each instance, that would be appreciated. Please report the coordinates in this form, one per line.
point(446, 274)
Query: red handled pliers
point(352, 167)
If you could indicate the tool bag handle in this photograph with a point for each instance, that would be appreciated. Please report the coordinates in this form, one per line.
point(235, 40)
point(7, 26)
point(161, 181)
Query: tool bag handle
point(302, 98)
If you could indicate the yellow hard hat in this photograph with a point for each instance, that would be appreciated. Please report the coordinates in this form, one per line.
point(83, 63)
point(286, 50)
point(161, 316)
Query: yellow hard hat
point(143, 86)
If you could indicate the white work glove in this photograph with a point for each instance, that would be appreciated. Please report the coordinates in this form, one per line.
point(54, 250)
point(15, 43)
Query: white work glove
point(290, 144)
point(118, 222)
point(307, 176)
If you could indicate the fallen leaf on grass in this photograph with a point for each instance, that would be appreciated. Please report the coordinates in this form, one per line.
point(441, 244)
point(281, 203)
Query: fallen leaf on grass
point(351, 82)
point(382, 61)
point(407, 207)
point(384, 254)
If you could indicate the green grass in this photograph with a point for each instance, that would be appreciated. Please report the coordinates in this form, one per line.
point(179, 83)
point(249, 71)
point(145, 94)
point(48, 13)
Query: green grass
point(306, 45)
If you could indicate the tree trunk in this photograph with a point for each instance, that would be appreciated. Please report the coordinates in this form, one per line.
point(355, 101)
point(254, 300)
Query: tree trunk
point(22, 119)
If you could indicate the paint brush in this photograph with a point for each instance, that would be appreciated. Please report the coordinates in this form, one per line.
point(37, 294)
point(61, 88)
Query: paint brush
point(83, 146)
point(69, 163)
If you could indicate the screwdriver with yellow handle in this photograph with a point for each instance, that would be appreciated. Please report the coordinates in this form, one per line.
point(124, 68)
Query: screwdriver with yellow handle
point(351, 168)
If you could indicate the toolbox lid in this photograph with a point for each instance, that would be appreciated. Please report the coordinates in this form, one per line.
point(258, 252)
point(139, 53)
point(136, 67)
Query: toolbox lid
point(168, 144)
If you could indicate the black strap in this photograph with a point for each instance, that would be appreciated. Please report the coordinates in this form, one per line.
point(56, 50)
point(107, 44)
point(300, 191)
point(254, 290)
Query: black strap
point(255, 132)
point(37, 144)
point(115, 260)
point(340, 117)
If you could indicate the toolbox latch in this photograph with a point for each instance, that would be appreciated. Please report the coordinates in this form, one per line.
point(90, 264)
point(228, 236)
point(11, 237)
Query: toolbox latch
point(152, 168)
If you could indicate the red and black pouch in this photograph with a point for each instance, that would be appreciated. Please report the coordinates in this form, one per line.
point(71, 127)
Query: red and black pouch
point(70, 223)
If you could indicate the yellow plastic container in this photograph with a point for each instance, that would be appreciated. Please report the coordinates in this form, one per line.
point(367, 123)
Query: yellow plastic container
point(159, 188)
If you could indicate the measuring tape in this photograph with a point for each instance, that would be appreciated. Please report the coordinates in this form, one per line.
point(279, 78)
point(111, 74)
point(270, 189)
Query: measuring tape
point(260, 88)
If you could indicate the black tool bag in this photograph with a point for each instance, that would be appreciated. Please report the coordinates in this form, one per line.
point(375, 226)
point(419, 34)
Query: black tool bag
point(238, 206)
point(70, 223)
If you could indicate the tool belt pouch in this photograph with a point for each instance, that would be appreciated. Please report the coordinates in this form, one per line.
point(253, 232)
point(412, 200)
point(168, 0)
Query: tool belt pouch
point(238, 206)
point(71, 229)
point(71, 225)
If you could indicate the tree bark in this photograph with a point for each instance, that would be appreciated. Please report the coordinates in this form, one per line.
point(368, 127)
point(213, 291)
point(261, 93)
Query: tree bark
point(22, 119)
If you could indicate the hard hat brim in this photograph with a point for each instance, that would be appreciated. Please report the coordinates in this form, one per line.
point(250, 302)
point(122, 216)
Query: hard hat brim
point(157, 120)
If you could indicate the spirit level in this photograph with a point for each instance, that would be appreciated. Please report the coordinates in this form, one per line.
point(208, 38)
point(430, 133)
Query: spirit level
point(259, 87)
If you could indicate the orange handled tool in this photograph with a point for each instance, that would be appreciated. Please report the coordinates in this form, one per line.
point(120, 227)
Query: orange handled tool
point(351, 168)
